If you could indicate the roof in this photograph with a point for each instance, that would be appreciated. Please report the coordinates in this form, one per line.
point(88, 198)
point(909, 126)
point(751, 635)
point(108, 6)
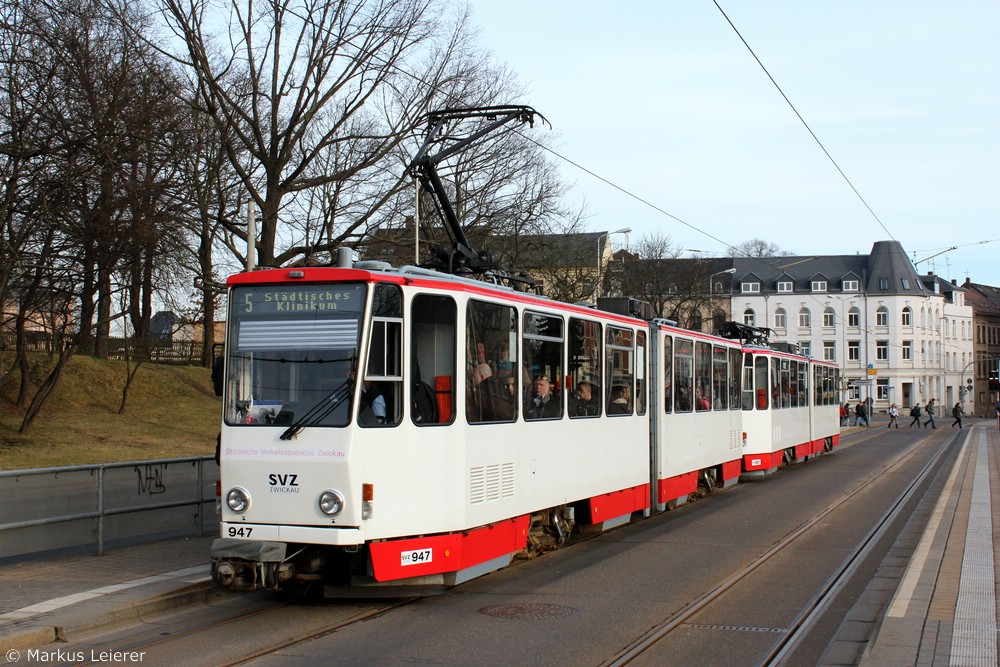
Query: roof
point(886, 270)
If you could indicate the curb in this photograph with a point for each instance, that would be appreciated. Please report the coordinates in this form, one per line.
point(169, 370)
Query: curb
point(95, 621)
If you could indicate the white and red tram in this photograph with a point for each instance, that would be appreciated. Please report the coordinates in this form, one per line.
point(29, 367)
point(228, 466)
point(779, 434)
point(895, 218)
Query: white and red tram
point(792, 412)
point(388, 428)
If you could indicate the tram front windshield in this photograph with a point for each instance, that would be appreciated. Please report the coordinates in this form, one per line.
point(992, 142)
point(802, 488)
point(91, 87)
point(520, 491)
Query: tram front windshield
point(292, 352)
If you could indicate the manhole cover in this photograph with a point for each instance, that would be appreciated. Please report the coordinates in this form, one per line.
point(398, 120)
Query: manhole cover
point(527, 610)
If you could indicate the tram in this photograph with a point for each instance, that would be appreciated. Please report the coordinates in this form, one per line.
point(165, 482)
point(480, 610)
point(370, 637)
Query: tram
point(507, 421)
point(397, 431)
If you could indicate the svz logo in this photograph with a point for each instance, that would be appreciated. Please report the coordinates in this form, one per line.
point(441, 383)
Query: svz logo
point(283, 483)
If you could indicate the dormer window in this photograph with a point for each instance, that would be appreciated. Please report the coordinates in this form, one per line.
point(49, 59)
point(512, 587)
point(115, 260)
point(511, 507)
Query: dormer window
point(851, 285)
point(784, 286)
point(750, 288)
point(819, 286)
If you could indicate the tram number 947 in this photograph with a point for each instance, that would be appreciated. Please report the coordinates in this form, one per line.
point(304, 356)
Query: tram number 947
point(242, 531)
point(416, 557)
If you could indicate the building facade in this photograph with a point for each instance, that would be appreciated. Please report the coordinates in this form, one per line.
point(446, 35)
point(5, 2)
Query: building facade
point(899, 337)
point(985, 372)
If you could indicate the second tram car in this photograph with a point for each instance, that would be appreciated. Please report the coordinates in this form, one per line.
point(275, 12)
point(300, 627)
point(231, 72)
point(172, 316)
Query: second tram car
point(388, 429)
point(791, 409)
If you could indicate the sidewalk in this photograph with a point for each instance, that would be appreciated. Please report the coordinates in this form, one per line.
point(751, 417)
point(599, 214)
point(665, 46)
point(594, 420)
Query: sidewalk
point(933, 600)
point(42, 601)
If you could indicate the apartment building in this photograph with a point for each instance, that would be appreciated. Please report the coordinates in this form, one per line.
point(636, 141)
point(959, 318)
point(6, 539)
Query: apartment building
point(900, 337)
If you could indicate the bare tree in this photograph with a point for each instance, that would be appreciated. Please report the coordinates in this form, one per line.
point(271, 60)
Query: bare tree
point(310, 83)
point(654, 277)
point(757, 248)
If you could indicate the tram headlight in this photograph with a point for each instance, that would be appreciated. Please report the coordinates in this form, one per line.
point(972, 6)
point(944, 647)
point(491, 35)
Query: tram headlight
point(331, 502)
point(238, 499)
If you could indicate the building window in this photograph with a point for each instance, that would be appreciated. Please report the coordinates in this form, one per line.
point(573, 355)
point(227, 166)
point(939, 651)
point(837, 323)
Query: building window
point(854, 317)
point(907, 350)
point(750, 288)
point(851, 286)
point(906, 319)
point(883, 283)
point(854, 350)
point(882, 350)
point(749, 317)
point(829, 350)
point(805, 348)
point(819, 286)
point(780, 319)
point(784, 286)
point(882, 390)
point(804, 318)
point(854, 392)
point(829, 318)
point(882, 317)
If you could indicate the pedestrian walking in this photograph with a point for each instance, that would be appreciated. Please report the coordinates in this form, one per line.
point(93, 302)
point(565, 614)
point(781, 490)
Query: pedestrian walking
point(930, 414)
point(957, 412)
point(893, 416)
point(915, 413)
point(861, 414)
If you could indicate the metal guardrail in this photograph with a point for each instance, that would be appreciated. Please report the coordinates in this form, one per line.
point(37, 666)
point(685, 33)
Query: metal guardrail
point(155, 491)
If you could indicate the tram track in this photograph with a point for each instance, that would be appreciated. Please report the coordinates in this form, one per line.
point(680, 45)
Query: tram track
point(231, 626)
point(320, 632)
point(810, 614)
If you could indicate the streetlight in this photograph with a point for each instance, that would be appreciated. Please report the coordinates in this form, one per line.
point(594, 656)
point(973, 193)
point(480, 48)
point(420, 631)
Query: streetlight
point(711, 289)
point(600, 257)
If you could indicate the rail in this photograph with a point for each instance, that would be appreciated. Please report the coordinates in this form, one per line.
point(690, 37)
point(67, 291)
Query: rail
point(95, 503)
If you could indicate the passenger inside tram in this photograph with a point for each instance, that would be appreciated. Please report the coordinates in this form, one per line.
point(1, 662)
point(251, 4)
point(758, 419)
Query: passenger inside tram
point(582, 402)
point(543, 403)
point(619, 401)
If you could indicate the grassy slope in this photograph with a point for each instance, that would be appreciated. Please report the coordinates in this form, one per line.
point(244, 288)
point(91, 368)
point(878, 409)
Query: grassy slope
point(171, 412)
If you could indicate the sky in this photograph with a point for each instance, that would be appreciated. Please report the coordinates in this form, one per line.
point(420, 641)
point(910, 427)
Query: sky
point(663, 101)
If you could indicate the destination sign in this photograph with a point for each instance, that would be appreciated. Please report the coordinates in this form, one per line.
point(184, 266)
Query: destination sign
point(299, 299)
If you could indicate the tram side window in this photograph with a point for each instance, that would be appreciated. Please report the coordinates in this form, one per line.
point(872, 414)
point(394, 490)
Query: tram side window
point(619, 360)
point(492, 393)
point(702, 376)
point(803, 388)
point(381, 401)
point(775, 384)
point(720, 378)
point(825, 386)
point(762, 383)
point(585, 368)
point(542, 342)
point(748, 382)
point(668, 374)
point(640, 372)
point(818, 385)
point(735, 368)
point(786, 384)
point(791, 391)
point(683, 375)
point(432, 359)
point(829, 388)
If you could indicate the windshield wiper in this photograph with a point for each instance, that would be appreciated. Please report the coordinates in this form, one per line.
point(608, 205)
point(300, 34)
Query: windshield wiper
point(320, 411)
